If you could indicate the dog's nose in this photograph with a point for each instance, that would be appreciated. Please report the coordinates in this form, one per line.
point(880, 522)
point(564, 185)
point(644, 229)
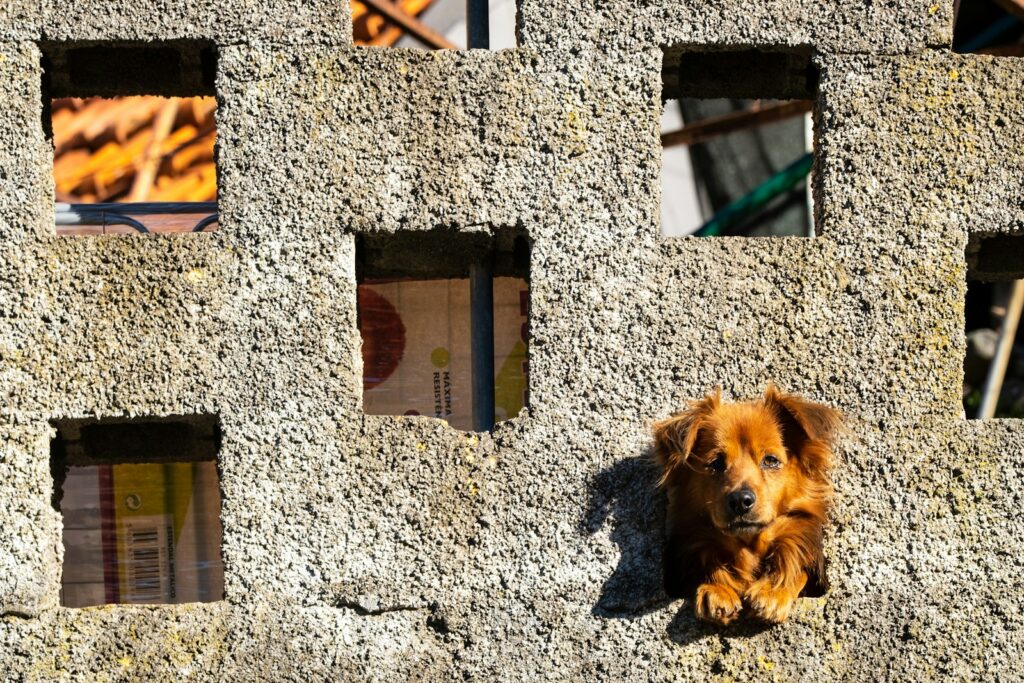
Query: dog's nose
point(741, 501)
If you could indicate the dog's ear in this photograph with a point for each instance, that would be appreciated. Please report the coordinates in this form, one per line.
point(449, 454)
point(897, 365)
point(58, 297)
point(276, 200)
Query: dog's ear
point(675, 437)
point(808, 428)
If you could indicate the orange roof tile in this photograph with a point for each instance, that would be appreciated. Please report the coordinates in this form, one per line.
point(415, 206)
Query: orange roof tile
point(103, 147)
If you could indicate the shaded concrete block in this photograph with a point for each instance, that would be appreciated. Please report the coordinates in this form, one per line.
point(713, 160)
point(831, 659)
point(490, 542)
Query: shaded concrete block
point(181, 324)
point(26, 165)
point(30, 528)
point(295, 526)
point(219, 641)
point(781, 308)
point(400, 548)
point(372, 139)
point(921, 144)
point(21, 20)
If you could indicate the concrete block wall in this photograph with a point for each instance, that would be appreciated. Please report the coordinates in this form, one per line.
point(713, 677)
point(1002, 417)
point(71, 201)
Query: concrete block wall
point(392, 548)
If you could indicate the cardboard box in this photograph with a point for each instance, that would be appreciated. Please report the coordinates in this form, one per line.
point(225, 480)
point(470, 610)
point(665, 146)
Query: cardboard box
point(417, 356)
point(141, 533)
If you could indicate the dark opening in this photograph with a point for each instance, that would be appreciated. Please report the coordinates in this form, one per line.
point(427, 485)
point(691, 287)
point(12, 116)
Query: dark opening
point(746, 73)
point(416, 322)
point(169, 69)
point(994, 27)
point(994, 360)
point(140, 504)
point(995, 258)
point(737, 142)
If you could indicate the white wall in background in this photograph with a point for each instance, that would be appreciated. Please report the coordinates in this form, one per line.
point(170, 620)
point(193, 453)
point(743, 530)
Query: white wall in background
point(680, 206)
point(448, 17)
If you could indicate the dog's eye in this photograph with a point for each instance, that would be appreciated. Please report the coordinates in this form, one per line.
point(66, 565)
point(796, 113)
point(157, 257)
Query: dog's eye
point(717, 466)
point(770, 462)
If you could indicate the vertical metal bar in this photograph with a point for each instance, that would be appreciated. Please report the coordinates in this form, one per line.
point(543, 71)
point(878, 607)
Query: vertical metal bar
point(478, 29)
point(997, 371)
point(481, 323)
point(481, 273)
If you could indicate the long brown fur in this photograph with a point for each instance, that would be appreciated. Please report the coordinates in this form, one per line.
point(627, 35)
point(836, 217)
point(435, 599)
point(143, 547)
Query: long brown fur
point(759, 562)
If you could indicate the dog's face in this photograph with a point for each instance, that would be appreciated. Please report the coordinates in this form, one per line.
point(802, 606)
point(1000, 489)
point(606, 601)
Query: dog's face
point(745, 464)
point(740, 468)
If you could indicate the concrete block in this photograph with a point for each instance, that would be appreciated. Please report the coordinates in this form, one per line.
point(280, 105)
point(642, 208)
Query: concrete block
point(30, 528)
point(844, 26)
point(222, 22)
point(21, 20)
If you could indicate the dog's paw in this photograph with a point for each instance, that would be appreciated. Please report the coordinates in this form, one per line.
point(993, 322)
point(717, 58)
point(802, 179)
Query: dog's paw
point(717, 603)
point(769, 603)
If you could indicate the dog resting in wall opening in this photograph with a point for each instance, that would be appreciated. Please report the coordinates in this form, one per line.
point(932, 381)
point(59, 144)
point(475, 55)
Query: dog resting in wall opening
point(748, 495)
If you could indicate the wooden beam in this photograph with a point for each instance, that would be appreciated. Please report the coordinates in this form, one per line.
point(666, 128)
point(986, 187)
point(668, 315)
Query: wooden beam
point(702, 131)
point(1015, 50)
point(146, 171)
point(410, 24)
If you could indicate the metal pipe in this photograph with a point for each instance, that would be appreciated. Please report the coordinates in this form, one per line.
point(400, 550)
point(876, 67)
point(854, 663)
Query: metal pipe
point(997, 370)
point(747, 205)
point(103, 218)
point(478, 24)
point(481, 324)
point(121, 213)
point(143, 208)
point(206, 222)
point(809, 148)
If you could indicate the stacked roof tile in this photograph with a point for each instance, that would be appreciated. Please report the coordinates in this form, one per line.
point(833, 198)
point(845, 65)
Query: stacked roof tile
point(134, 149)
point(373, 29)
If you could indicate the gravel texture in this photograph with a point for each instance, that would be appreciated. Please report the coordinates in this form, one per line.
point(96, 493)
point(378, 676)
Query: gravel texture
point(883, 26)
point(218, 21)
point(389, 548)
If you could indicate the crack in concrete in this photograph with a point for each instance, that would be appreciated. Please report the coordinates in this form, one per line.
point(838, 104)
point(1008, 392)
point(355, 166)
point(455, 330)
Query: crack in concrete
point(360, 608)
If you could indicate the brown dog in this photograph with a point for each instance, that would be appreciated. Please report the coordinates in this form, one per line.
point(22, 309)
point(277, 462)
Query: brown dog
point(748, 495)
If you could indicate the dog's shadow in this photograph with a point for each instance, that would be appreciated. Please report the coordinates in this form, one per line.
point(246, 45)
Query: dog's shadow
point(626, 496)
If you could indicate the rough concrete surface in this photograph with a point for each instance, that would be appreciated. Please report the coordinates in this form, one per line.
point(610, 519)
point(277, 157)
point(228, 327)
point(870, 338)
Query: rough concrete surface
point(391, 548)
point(220, 22)
point(887, 26)
point(20, 19)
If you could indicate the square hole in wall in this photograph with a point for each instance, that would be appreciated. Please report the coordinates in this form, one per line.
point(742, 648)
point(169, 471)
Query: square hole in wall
point(737, 143)
point(134, 134)
point(429, 24)
point(994, 360)
point(992, 27)
point(418, 315)
point(140, 503)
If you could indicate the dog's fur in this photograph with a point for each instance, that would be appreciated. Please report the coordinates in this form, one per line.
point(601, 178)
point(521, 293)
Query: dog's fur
point(729, 557)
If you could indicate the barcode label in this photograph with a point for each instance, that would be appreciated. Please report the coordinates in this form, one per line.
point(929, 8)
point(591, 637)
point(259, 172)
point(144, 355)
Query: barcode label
point(147, 563)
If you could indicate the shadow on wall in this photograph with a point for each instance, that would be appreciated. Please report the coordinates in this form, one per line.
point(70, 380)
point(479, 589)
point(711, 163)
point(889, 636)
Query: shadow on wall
point(626, 495)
